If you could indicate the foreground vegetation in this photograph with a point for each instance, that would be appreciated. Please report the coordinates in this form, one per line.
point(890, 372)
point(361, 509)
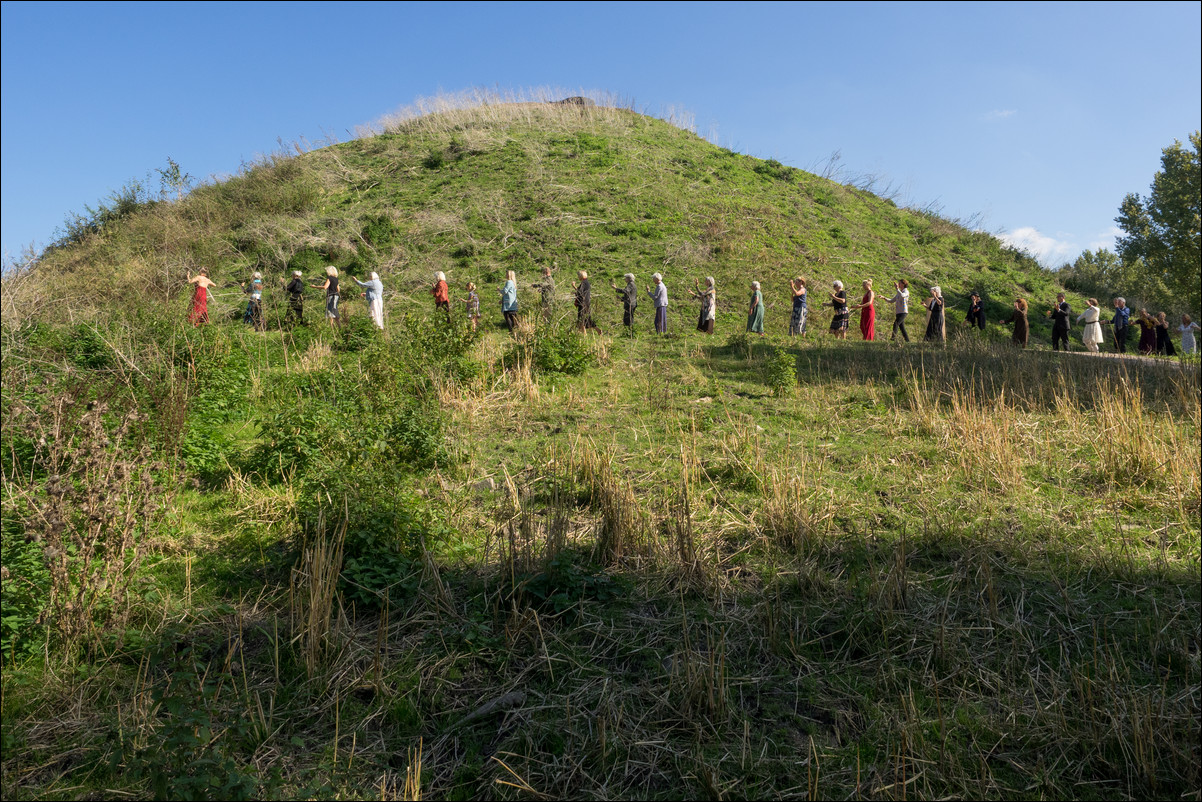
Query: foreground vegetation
point(427, 562)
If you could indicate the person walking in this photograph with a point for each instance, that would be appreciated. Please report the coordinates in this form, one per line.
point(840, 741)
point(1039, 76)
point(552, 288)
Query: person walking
point(976, 312)
point(936, 331)
point(254, 306)
point(659, 296)
point(1060, 322)
point(1147, 332)
point(901, 308)
point(296, 300)
point(1092, 335)
point(839, 304)
point(373, 294)
point(583, 296)
point(628, 296)
point(1187, 328)
point(755, 314)
point(709, 305)
point(442, 294)
point(1022, 327)
point(867, 311)
point(331, 288)
point(200, 298)
point(472, 303)
point(1121, 323)
point(797, 319)
point(546, 292)
point(509, 300)
point(1164, 343)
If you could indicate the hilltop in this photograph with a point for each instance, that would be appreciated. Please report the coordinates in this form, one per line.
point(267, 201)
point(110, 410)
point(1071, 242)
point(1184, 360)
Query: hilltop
point(342, 563)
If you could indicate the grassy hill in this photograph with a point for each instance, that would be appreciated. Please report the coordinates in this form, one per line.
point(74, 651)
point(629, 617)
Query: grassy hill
point(319, 563)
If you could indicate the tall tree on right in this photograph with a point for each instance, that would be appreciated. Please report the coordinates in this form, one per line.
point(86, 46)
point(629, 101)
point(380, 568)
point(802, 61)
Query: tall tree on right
point(1165, 229)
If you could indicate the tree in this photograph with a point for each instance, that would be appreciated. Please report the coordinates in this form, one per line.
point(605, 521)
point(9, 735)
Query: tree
point(1165, 229)
point(1102, 274)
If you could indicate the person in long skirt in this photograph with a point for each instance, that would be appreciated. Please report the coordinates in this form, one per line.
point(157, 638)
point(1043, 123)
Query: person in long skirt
point(1022, 328)
point(1147, 332)
point(200, 298)
point(709, 305)
point(867, 312)
point(755, 313)
point(901, 308)
point(373, 294)
point(839, 304)
point(659, 296)
point(936, 332)
point(296, 300)
point(509, 300)
point(331, 288)
point(442, 294)
point(628, 296)
point(1187, 329)
point(797, 320)
point(583, 295)
point(1092, 334)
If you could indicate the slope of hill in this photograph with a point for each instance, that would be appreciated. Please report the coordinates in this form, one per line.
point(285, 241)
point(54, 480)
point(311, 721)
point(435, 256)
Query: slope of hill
point(474, 192)
point(339, 563)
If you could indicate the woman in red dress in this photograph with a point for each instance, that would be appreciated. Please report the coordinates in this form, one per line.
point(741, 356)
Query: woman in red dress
point(868, 311)
point(200, 298)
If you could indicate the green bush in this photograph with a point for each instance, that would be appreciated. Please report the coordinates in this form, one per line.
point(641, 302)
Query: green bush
point(26, 590)
point(562, 350)
point(782, 372)
point(380, 231)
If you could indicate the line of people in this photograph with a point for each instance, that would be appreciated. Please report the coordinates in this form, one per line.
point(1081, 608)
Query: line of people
point(1154, 331)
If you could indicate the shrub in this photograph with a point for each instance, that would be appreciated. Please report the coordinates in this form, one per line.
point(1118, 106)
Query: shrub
point(380, 231)
point(782, 372)
point(561, 349)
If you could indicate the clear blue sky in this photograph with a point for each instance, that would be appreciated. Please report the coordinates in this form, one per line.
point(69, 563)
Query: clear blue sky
point(1040, 117)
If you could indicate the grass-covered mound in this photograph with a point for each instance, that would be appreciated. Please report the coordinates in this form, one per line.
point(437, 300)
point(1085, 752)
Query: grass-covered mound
point(319, 563)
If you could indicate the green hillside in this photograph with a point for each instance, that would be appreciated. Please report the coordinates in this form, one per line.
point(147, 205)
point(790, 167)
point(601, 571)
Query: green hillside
point(429, 562)
point(475, 192)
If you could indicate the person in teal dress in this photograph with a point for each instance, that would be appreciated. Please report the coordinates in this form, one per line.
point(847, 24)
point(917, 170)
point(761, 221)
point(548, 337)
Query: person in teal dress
point(755, 315)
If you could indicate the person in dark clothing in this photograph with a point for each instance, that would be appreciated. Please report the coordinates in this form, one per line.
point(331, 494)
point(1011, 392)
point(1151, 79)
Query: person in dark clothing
point(1121, 323)
point(1164, 343)
point(583, 294)
point(1019, 318)
point(296, 300)
point(629, 298)
point(976, 312)
point(1059, 315)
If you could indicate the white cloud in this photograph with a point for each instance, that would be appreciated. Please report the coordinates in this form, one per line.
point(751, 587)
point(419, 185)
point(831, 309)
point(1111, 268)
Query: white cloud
point(999, 114)
point(1105, 239)
point(1047, 250)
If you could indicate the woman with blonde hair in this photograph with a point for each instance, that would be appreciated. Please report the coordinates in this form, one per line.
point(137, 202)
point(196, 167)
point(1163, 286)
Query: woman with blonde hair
point(331, 288)
point(1092, 334)
point(1187, 329)
point(936, 332)
point(200, 298)
point(1022, 328)
point(709, 304)
point(797, 320)
point(509, 300)
point(867, 311)
point(442, 294)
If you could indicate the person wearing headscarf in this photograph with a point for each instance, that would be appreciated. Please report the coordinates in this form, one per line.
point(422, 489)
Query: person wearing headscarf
point(659, 296)
point(331, 288)
point(755, 312)
point(839, 304)
point(442, 294)
point(254, 306)
point(1091, 336)
point(296, 300)
point(901, 308)
point(936, 332)
point(374, 296)
point(628, 296)
point(1022, 328)
point(867, 312)
point(797, 318)
point(709, 304)
point(582, 294)
point(509, 300)
point(200, 298)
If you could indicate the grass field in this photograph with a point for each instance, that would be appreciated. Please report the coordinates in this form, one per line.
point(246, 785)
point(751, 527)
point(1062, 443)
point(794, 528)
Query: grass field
point(431, 563)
